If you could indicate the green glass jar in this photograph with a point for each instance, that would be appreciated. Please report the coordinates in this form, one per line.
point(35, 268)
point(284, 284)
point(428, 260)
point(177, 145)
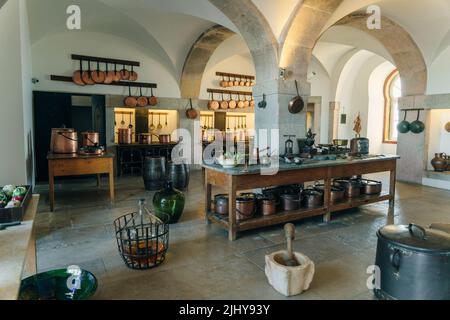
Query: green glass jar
point(169, 204)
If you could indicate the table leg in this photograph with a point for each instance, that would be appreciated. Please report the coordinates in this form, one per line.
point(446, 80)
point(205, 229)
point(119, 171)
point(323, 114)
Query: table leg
point(327, 200)
point(99, 178)
point(111, 186)
point(232, 226)
point(51, 189)
point(392, 182)
point(208, 197)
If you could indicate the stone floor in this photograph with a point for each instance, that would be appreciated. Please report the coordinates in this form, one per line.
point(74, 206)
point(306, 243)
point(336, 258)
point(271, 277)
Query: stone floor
point(201, 263)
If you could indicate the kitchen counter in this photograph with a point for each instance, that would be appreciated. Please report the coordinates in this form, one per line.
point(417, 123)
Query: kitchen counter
point(255, 177)
point(18, 254)
point(307, 164)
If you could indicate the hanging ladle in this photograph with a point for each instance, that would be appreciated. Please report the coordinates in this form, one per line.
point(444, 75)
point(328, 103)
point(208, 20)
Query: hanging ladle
point(152, 126)
point(122, 123)
point(160, 125)
point(130, 126)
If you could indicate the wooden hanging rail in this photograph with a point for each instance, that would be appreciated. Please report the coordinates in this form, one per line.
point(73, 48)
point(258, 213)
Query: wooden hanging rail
point(235, 75)
point(221, 91)
point(118, 84)
point(106, 60)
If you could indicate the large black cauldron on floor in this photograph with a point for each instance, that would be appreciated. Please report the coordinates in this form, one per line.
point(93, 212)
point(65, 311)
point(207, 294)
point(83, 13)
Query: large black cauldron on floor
point(414, 263)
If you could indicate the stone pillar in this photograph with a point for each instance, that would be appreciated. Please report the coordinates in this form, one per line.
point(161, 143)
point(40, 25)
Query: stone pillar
point(276, 115)
point(333, 130)
point(412, 148)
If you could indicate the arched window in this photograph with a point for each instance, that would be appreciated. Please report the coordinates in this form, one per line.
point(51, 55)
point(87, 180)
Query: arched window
point(392, 92)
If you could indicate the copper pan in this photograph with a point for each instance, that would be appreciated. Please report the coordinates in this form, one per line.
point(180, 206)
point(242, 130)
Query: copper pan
point(213, 104)
point(133, 74)
point(87, 75)
point(142, 101)
point(130, 101)
point(246, 103)
point(78, 75)
point(153, 101)
point(117, 75)
point(240, 103)
point(297, 104)
point(124, 74)
point(98, 76)
point(223, 103)
point(109, 76)
point(232, 104)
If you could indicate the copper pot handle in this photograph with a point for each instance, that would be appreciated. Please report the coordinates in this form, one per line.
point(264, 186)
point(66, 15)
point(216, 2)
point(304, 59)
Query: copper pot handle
point(68, 138)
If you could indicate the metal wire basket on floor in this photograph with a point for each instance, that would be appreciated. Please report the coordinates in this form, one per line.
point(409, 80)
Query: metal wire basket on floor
point(142, 239)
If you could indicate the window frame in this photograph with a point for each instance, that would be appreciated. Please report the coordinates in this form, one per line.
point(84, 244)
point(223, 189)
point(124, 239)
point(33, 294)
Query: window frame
point(388, 107)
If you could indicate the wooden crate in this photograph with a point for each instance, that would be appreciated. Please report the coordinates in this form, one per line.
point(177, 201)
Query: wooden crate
point(17, 214)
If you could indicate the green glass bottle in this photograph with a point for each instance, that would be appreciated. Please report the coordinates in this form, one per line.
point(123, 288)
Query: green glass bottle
point(169, 204)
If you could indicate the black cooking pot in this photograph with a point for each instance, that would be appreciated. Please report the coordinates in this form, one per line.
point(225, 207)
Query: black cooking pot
point(414, 263)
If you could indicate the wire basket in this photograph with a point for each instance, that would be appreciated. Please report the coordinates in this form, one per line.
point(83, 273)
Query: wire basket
point(143, 240)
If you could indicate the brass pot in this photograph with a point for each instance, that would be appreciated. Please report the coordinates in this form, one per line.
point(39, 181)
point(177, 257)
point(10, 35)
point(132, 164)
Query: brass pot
point(90, 139)
point(440, 162)
point(125, 136)
point(64, 141)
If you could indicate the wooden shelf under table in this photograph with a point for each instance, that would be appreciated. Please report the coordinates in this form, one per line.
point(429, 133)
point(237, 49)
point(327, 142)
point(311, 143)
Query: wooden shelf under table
point(291, 216)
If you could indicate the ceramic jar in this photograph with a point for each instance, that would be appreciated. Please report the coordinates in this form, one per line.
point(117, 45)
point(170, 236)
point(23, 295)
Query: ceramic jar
point(440, 162)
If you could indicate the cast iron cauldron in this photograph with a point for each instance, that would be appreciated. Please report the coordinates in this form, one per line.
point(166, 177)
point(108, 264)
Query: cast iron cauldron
point(414, 263)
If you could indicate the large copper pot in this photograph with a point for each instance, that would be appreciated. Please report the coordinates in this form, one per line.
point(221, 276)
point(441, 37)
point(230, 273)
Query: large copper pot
point(64, 141)
point(145, 138)
point(125, 136)
point(90, 139)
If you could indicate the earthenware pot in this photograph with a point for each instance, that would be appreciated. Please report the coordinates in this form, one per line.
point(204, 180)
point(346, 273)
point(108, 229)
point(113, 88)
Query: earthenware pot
point(440, 162)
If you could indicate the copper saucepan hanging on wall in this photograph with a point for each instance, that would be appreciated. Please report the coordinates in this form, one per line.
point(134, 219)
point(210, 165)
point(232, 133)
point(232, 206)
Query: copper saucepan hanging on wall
point(78, 75)
point(133, 74)
point(297, 104)
point(130, 101)
point(153, 101)
point(109, 75)
point(87, 75)
point(124, 74)
point(117, 75)
point(97, 75)
point(191, 113)
point(213, 104)
point(142, 101)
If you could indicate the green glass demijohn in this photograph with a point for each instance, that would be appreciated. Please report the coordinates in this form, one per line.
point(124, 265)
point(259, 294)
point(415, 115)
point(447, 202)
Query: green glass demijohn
point(169, 204)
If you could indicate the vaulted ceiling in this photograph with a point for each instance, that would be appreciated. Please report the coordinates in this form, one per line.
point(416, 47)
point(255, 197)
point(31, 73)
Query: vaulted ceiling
point(170, 27)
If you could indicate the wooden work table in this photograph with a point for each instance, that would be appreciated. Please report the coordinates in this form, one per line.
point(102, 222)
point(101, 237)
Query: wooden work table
point(240, 179)
point(18, 253)
point(62, 165)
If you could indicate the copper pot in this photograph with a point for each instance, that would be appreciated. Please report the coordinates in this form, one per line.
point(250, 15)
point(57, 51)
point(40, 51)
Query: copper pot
point(153, 101)
point(133, 74)
point(312, 198)
point(117, 74)
point(90, 139)
point(142, 101)
point(267, 206)
point(245, 207)
point(109, 75)
point(337, 193)
point(221, 204)
point(130, 101)
point(145, 138)
point(371, 187)
point(64, 141)
point(352, 187)
point(124, 74)
point(97, 75)
point(290, 202)
point(125, 136)
point(165, 138)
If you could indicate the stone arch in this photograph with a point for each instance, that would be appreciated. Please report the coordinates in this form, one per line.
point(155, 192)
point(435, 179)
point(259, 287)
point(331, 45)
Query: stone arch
point(406, 54)
point(299, 39)
point(198, 57)
point(257, 33)
point(2, 2)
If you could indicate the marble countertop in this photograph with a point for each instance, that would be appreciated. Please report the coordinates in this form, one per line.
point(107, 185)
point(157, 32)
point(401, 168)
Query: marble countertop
point(255, 169)
point(14, 244)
